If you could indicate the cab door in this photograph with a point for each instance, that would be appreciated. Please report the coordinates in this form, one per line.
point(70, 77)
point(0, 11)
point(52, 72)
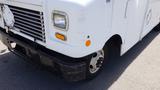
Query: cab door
point(134, 18)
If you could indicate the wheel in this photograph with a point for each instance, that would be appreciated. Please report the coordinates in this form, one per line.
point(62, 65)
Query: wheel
point(95, 63)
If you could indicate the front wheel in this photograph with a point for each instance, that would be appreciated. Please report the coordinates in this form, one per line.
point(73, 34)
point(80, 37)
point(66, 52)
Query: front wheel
point(95, 63)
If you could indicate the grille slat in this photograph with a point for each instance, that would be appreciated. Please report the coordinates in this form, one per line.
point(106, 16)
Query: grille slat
point(27, 16)
point(29, 22)
point(31, 34)
point(16, 9)
point(28, 27)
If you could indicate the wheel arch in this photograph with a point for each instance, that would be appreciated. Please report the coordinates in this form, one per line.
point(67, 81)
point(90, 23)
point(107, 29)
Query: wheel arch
point(115, 39)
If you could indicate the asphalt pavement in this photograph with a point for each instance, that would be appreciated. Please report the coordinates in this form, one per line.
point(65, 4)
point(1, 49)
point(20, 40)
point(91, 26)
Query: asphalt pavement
point(138, 69)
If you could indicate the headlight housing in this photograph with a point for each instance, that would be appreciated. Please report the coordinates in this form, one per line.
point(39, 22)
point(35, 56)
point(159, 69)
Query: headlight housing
point(60, 20)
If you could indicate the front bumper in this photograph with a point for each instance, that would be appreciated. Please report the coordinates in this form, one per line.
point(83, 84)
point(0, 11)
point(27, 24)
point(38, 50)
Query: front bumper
point(72, 69)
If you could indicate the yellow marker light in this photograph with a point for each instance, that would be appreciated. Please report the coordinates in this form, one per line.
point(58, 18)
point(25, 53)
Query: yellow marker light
point(60, 36)
point(88, 43)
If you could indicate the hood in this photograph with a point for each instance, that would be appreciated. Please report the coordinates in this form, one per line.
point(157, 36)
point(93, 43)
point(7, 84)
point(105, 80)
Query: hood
point(34, 2)
point(40, 2)
point(80, 2)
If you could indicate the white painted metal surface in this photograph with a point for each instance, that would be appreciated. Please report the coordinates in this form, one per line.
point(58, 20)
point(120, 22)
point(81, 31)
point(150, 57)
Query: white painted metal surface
point(98, 19)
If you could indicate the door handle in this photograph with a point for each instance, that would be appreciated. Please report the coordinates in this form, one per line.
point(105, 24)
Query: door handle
point(126, 8)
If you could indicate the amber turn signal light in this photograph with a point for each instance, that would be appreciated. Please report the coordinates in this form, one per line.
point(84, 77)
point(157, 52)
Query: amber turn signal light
point(88, 43)
point(60, 36)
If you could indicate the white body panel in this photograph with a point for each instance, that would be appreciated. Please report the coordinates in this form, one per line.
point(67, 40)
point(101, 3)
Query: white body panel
point(99, 19)
point(1, 19)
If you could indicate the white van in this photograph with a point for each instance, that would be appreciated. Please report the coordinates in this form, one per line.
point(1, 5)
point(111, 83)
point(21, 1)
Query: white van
point(75, 36)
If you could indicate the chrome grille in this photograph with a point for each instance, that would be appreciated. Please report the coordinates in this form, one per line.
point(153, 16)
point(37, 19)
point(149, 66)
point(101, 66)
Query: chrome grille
point(29, 22)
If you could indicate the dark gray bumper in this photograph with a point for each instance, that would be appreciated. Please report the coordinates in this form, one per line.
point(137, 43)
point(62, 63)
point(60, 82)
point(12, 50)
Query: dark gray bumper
point(73, 69)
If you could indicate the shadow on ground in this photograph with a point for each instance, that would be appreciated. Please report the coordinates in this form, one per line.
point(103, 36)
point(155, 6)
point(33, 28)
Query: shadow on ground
point(16, 73)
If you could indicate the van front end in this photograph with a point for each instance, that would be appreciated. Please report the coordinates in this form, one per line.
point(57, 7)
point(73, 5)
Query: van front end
point(57, 33)
point(54, 26)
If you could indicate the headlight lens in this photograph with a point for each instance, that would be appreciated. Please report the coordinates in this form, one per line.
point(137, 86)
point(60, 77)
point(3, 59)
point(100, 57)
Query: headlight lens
point(60, 20)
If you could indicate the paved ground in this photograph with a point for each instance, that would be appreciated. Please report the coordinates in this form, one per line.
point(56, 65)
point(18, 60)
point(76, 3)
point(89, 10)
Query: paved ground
point(139, 69)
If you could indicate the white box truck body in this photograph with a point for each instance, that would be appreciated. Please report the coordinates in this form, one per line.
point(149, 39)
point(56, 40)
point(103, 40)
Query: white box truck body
point(76, 29)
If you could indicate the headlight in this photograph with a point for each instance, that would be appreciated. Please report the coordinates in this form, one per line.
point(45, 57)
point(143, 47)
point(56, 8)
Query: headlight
point(60, 20)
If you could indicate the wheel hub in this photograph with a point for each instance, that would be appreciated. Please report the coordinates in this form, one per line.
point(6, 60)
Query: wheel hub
point(96, 61)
